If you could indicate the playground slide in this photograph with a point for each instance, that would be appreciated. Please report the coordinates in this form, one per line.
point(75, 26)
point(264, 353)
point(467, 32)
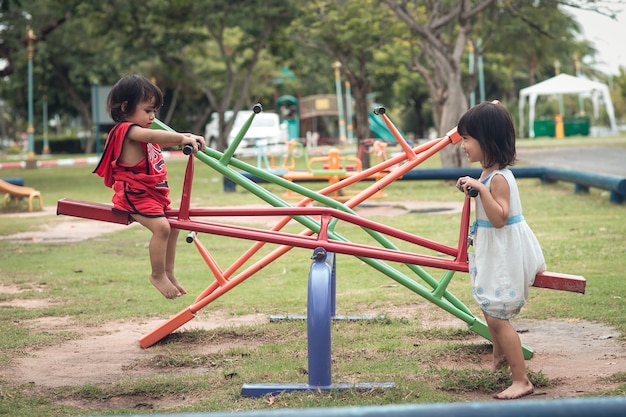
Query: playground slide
point(17, 191)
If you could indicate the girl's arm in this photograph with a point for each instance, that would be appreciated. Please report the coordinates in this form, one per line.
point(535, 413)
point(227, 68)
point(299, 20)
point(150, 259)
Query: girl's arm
point(165, 138)
point(495, 202)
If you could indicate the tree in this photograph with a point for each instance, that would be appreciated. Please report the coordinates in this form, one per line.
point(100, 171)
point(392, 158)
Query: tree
point(223, 65)
point(441, 30)
point(15, 16)
point(350, 33)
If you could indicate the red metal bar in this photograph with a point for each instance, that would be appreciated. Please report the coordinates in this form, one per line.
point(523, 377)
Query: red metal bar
point(410, 154)
point(291, 212)
point(96, 211)
point(464, 230)
point(186, 194)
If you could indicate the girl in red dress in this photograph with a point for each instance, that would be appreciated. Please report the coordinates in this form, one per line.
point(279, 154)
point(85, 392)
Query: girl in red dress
point(133, 165)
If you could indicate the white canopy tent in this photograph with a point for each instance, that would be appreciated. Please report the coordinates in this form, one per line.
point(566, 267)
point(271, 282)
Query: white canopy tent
point(565, 84)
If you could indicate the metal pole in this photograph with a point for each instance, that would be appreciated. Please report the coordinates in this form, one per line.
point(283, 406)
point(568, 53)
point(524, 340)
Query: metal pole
point(30, 36)
point(96, 114)
point(481, 75)
point(3, 132)
point(46, 145)
point(349, 112)
point(342, 123)
point(581, 104)
point(472, 95)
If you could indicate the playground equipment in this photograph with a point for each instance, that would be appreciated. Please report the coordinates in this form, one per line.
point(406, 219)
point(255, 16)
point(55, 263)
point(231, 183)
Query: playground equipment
point(320, 311)
point(332, 168)
point(582, 180)
point(571, 407)
point(321, 221)
point(13, 191)
point(308, 113)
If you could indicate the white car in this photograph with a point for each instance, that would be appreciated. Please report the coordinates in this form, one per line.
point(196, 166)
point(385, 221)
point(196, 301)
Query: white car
point(265, 134)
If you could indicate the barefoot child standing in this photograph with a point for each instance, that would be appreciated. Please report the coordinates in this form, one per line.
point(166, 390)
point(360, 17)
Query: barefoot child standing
point(506, 256)
point(133, 165)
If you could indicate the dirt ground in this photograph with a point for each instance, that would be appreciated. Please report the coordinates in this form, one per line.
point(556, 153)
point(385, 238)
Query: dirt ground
point(576, 355)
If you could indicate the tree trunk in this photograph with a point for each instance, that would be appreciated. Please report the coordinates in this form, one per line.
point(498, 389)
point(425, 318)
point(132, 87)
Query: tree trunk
point(438, 60)
point(84, 109)
point(360, 90)
point(453, 107)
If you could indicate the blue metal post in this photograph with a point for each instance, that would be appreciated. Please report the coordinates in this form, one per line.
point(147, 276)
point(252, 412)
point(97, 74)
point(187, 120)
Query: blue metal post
point(319, 306)
point(349, 112)
point(472, 94)
point(318, 320)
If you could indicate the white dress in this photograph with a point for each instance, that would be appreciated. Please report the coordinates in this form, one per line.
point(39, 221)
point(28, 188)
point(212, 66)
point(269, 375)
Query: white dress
point(505, 260)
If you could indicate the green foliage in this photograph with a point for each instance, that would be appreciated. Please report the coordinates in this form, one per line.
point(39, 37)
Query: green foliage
point(213, 56)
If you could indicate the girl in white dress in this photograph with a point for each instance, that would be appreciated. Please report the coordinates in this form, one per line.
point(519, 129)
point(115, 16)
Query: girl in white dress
point(507, 255)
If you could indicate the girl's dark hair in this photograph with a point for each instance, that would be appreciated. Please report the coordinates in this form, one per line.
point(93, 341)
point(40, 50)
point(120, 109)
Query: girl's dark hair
point(128, 92)
point(491, 125)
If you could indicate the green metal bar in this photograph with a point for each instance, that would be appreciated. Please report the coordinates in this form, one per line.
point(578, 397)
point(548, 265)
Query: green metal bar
point(157, 124)
point(443, 284)
point(277, 202)
point(228, 154)
point(454, 306)
point(449, 303)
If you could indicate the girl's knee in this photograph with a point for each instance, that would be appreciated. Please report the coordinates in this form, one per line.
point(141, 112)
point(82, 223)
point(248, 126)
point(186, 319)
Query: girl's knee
point(162, 229)
point(159, 227)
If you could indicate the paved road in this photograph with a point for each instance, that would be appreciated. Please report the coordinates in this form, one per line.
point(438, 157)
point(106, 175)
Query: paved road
point(602, 160)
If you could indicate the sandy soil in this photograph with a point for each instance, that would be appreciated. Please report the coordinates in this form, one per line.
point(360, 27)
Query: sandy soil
point(577, 355)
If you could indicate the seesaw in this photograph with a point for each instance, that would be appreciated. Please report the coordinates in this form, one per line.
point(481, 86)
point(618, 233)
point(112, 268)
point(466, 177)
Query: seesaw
point(320, 231)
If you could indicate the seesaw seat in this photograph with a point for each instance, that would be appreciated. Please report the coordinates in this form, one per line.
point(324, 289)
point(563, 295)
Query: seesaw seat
point(92, 211)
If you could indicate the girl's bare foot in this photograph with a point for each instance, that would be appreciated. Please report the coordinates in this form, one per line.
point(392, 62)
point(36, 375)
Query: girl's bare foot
point(516, 390)
point(165, 287)
point(175, 283)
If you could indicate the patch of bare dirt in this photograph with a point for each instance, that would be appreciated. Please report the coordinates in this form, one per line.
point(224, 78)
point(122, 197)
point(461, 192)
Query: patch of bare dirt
point(103, 354)
point(577, 355)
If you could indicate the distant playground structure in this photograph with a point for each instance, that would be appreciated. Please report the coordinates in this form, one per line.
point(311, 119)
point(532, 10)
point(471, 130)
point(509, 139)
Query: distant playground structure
point(331, 168)
point(316, 115)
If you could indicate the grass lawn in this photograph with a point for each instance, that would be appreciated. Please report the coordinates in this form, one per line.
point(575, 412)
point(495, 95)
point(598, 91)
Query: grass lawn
point(103, 281)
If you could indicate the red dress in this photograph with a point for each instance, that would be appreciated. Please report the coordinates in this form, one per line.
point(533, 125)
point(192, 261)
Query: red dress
point(141, 188)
